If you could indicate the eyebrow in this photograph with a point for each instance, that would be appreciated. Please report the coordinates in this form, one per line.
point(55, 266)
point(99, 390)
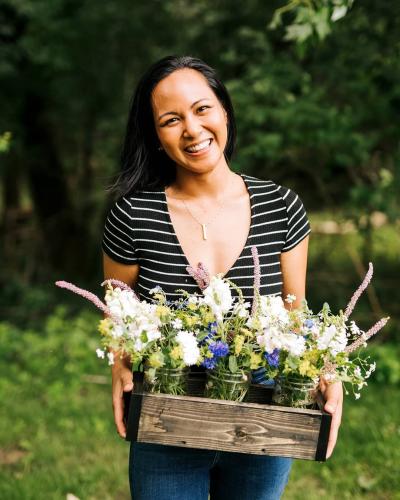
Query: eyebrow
point(194, 104)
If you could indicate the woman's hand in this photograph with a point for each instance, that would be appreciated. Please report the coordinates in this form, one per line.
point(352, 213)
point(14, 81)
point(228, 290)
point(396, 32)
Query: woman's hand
point(121, 382)
point(333, 395)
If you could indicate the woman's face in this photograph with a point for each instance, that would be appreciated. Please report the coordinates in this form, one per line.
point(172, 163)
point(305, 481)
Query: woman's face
point(190, 121)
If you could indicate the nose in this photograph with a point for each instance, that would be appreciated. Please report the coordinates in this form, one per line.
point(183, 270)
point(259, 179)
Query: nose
point(193, 127)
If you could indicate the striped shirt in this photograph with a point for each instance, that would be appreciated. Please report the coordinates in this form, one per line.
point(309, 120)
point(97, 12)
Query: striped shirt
point(138, 230)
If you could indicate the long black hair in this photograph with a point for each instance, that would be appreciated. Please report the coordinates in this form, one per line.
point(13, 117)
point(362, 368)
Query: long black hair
point(143, 165)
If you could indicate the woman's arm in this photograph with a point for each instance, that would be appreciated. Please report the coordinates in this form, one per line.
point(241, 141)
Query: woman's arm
point(121, 370)
point(294, 267)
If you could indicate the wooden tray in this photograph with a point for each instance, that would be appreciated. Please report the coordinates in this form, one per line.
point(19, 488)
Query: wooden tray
point(253, 426)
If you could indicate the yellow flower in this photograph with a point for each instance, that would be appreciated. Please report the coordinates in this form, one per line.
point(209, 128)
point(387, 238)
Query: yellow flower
point(190, 321)
point(192, 307)
point(176, 353)
point(162, 311)
point(159, 296)
point(208, 317)
point(255, 360)
point(238, 342)
point(104, 326)
point(306, 369)
point(246, 332)
point(156, 359)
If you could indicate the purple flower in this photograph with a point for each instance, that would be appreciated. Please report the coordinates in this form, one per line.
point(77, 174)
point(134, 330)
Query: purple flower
point(209, 363)
point(219, 348)
point(308, 323)
point(272, 358)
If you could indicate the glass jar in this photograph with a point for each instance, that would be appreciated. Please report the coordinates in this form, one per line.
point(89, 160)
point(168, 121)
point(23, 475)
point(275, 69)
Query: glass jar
point(295, 391)
point(223, 384)
point(166, 380)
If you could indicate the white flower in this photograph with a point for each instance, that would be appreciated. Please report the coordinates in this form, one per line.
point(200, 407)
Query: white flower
point(188, 343)
point(272, 311)
point(156, 289)
point(333, 339)
point(100, 353)
point(357, 371)
point(290, 298)
point(371, 369)
point(240, 310)
point(357, 395)
point(117, 330)
point(192, 299)
point(177, 323)
point(218, 296)
point(120, 302)
point(110, 357)
point(294, 344)
point(354, 329)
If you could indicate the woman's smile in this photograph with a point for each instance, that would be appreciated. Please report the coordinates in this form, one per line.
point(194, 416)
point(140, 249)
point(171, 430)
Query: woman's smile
point(199, 148)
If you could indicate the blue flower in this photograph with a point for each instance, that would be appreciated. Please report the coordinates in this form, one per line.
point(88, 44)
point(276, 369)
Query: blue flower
point(219, 348)
point(210, 363)
point(272, 358)
point(212, 331)
point(308, 323)
point(212, 327)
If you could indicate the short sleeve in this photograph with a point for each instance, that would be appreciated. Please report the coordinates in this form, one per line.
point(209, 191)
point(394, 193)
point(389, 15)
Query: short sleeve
point(298, 226)
point(118, 240)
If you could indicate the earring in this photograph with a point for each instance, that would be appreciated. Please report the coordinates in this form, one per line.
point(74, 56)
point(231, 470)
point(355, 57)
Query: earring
point(160, 148)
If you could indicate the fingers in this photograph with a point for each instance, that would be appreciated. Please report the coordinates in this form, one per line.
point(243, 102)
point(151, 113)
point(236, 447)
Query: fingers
point(123, 383)
point(118, 408)
point(333, 405)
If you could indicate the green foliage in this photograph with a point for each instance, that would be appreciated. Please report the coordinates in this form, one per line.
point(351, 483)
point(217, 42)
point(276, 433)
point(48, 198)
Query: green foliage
point(387, 357)
point(5, 142)
point(310, 18)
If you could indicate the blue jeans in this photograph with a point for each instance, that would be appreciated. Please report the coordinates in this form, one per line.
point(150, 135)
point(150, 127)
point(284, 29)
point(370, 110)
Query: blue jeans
point(159, 472)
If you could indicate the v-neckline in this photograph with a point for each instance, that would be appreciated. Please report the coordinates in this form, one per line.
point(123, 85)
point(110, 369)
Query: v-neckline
point(182, 253)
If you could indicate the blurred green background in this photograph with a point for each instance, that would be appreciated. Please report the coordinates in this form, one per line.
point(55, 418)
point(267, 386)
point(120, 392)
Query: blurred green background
point(316, 90)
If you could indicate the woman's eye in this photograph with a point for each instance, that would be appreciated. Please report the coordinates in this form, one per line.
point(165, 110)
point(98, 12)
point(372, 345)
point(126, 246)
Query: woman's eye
point(168, 122)
point(203, 108)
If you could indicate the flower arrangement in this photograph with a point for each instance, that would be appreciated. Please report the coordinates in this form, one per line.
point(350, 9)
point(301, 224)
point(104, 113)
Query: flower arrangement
point(219, 331)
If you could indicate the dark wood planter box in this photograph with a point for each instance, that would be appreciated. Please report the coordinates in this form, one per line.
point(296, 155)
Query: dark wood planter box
point(254, 426)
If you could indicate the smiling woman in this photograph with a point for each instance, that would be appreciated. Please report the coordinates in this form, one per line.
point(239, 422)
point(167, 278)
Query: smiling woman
point(180, 204)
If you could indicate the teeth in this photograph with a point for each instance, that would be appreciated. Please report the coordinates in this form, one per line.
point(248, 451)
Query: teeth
point(199, 147)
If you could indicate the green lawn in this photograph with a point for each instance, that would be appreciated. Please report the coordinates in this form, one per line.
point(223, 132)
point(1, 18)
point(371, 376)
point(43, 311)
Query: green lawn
point(57, 434)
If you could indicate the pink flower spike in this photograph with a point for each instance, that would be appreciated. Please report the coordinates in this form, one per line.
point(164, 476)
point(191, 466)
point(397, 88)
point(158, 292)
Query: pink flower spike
point(85, 294)
point(119, 284)
point(200, 275)
point(367, 335)
point(257, 276)
point(204, 274)
point(359, 291)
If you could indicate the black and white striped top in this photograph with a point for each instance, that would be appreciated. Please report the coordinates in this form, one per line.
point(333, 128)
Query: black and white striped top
point(138, 230)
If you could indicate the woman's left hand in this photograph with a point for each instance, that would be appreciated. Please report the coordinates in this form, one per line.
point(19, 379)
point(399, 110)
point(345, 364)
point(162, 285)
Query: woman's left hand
point(333, 395)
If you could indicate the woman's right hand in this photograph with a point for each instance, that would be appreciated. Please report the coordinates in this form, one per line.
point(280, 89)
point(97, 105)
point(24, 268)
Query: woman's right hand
point(121, 382)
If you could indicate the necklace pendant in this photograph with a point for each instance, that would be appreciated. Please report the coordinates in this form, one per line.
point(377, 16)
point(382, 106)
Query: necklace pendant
point(204, 228)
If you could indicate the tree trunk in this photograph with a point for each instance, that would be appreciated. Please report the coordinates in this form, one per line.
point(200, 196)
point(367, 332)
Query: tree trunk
point(63, 235)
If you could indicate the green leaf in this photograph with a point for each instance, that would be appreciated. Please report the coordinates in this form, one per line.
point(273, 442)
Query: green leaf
point(233, 367)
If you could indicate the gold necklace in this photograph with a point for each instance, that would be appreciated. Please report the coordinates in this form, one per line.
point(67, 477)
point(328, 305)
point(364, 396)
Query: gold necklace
point(205, 224)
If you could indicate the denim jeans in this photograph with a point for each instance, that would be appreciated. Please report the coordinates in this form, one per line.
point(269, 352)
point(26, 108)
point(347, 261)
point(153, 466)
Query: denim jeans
point(159, 472)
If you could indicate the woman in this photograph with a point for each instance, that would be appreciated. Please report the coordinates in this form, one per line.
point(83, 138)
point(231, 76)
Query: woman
point(181, 204)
